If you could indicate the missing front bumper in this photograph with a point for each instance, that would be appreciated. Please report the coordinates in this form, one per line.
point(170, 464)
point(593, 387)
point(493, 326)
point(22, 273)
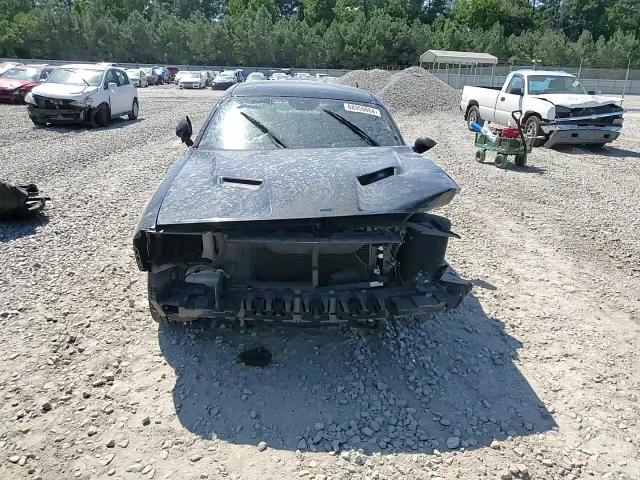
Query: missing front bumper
point(309, 307)
point(75, 115)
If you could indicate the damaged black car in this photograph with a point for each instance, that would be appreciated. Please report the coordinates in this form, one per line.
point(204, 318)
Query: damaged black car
point(298, 203)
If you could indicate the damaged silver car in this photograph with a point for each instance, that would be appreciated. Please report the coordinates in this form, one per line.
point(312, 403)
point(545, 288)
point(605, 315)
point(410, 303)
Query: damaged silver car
point(298, 203)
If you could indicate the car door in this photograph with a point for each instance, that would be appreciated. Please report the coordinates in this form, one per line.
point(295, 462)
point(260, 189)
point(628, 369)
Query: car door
point(510, 100)
point(118, 95)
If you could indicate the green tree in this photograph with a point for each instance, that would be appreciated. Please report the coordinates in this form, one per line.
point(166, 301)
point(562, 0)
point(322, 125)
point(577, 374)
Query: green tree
point(316, 11)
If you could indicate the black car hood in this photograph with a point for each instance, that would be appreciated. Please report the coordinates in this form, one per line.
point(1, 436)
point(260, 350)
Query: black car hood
point(222, 186)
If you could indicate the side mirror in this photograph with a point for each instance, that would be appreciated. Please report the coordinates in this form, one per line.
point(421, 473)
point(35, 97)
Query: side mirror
point(591, 92)
point(423, 144)
point(42, 80)
point(184, 131)
point(517, 91)
point(112, 86)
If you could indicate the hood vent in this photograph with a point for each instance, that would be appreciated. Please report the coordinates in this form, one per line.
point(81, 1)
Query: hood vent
point(376, 176)
point(247, 183)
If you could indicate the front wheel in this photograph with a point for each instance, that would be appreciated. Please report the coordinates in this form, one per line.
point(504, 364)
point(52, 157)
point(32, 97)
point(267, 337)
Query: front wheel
point(532, 127)
point(502, 161)
point(100, 116)
point(481, 155)
point(473, 115)
point(520, 160)
point(133, 114)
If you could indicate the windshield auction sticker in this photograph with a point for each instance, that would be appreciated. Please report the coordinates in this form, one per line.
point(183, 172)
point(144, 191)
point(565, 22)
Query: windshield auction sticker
point(352, 107)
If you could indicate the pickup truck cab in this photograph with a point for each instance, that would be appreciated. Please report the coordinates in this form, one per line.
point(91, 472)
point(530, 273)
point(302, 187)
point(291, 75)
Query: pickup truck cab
point(556, 108)
point(83, 92)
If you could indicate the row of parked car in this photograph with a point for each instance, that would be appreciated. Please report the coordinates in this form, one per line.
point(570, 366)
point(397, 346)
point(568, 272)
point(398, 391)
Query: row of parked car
point(225, 79)
point(98, 93)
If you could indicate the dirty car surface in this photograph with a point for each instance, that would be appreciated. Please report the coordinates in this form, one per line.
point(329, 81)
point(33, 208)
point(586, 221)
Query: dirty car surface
point(298, 204)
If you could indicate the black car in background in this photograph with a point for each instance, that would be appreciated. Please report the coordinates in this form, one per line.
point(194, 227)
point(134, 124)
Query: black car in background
point(226, 79)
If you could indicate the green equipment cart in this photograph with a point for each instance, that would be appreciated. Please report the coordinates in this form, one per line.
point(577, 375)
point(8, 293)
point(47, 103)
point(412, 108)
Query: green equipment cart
point(504, 147)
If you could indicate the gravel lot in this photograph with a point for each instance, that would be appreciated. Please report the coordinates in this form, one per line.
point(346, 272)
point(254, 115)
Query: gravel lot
point(534, 376)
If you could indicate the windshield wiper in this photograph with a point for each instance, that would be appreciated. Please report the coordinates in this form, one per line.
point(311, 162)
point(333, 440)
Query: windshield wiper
point(353, 127)
point(81, 77)
point(264, 130)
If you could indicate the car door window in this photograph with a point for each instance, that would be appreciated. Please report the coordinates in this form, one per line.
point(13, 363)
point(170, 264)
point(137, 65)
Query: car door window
point(122, 78)
point(516, 85)
point(110, 78)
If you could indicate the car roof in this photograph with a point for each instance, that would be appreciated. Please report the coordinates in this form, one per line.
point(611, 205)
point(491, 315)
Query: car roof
point(544, 72)
point(302, 89)
point(88, 66)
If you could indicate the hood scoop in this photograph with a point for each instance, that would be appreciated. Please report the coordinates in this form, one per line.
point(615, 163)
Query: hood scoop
point(376, 176)
point(248, 183)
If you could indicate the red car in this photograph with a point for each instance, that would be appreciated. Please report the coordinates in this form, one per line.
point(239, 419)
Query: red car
point(172, 73)
point(16, 82)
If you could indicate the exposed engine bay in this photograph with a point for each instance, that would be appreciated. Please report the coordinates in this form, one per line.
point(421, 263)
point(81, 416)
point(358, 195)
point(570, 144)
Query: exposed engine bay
point(323, 271)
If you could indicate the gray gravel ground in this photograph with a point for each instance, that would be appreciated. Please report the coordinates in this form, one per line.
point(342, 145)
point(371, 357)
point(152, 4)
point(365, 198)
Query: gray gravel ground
point(534, 376)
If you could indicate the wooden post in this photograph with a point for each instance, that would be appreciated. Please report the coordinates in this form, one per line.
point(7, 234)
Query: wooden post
point(626, 78)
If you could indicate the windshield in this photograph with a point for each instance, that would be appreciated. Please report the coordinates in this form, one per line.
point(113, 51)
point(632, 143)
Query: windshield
point(541, 84)
point(226, 75)
point(191, 75)
point(31, 74)
point(147, 71)
point(76, 76)
point(239, 124)
point(133, 73)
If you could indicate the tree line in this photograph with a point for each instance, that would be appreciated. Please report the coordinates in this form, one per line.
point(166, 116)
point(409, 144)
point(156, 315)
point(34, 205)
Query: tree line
point(321, 33)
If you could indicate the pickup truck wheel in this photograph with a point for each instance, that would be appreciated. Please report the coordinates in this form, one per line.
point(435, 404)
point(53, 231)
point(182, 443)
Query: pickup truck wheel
point(502, 161)
point(481, 155)
point(532, 127)
point(473, 115)
point(100, 116)
point(133, 114)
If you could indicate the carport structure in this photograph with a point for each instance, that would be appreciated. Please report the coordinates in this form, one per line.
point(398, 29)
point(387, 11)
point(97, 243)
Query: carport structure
point(449, 58)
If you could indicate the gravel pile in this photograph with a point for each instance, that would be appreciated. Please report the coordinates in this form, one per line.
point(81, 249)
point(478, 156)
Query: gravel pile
point(93, 389)
point(369, 80)
point(411, 91)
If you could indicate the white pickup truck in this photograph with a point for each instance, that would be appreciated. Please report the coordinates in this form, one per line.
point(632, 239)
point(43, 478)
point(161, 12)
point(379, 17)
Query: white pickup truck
point(556, 108)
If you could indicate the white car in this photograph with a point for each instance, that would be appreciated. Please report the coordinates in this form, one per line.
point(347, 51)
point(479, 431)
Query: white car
point(255, 77)
point(178, 76)
point(279, 76)
point(304, 76)
point(555, 106)
point(4, 66)
point(137, 77)
point(78, 93)
point(193, 80)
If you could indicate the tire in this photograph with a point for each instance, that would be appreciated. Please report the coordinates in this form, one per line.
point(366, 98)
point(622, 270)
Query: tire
point(473, 115)
point(157, 317)
point(100, 116)
point(520, 160)
point(502, 161)
point(481, 155)
point(133, 114)
point(532, 127)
